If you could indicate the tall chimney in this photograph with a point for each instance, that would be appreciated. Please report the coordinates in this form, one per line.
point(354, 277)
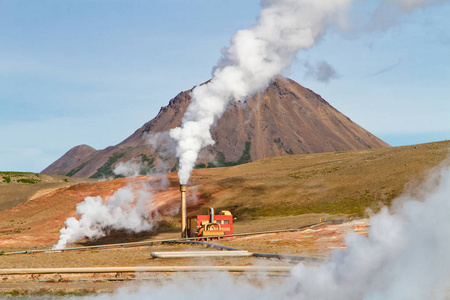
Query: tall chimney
point(183, 210)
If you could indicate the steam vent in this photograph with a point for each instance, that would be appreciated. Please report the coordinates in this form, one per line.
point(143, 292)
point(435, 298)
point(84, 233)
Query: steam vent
point(183, 210)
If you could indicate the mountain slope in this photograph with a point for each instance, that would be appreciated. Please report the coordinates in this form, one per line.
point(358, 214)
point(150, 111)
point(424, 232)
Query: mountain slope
point(71, 158)
point(286, 118)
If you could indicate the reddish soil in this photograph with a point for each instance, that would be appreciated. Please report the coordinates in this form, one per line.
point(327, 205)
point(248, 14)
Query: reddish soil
point(316, 241)
point(37, 222)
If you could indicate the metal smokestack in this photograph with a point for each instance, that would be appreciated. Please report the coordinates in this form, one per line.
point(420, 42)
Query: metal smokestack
point(183, 210)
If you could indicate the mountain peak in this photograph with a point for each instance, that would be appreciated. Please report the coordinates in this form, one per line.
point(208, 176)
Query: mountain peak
point(286, 118)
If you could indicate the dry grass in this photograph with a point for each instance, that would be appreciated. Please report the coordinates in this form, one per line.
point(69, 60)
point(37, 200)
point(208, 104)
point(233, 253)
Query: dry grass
point(341, 182)
point(19, 187)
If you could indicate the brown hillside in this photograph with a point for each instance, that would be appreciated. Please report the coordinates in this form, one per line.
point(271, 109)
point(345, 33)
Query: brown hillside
point(71, 158)
point(19, 187)
point(286, 119)
point(273, 193)
point(339, 182)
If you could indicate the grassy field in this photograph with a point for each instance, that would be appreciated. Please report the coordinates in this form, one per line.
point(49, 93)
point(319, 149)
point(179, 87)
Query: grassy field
point(334, 183)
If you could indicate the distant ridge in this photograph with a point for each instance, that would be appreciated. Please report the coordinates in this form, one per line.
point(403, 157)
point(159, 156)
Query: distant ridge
point(286, 118)
point(71, 158)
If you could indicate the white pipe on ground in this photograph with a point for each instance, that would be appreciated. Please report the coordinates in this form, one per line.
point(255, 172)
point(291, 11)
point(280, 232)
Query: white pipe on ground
point(184, 254)
point(145, 269)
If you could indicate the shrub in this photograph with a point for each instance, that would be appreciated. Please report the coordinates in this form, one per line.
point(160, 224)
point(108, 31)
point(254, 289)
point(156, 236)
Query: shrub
point(106, 170)
point(28, 180)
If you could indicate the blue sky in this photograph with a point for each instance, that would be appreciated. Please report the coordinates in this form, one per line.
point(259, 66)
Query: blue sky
point(92, 72)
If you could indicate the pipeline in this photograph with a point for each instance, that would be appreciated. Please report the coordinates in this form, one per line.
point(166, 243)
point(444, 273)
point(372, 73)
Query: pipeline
point(289, 257)
point(200, 254)
point(143, 243)
point(207, 244)
point(257, 254)
point(164, 269)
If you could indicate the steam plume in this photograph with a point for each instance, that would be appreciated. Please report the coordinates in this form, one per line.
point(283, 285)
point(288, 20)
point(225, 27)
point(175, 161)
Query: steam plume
point(125, 209)
point(404, 257)
point(131, 168)
point(255, 57)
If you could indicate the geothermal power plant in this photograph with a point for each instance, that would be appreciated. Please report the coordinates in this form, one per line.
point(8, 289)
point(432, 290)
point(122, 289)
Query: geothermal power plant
point(247, 185)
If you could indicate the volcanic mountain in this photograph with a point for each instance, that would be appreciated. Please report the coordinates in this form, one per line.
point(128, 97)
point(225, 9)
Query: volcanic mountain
point(286, 118)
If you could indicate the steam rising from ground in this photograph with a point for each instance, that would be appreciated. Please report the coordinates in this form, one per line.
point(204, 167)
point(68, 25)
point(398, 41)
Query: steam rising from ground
point(405, 256)
point(129, 208)
point(257, 55)
point(126, 209)
point(131, 168)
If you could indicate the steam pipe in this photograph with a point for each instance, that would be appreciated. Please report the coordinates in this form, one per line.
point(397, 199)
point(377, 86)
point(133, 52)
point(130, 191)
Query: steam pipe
point(145, 269)
point(212, 245)
point(257, 254)
point(187, 240)
point(193, 254)
point(183, 210)
point(211, 215)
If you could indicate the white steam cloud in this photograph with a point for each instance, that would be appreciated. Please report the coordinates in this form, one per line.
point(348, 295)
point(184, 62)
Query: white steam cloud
point(256, 56)
point(126, 209)
point(321, 71)
point(405, 256)
point(131, 168)
point(129, 208)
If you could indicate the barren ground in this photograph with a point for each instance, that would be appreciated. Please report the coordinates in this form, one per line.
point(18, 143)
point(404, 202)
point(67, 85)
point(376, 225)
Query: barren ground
point(318, 241)
point(272, 194)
